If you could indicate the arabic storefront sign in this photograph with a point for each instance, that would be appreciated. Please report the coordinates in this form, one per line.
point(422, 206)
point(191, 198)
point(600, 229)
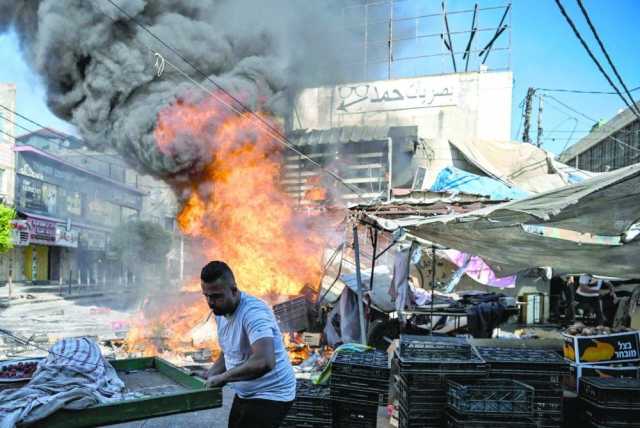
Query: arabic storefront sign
point(41, 231)
point(394, 95)
point(66, 238)
point(20, 232)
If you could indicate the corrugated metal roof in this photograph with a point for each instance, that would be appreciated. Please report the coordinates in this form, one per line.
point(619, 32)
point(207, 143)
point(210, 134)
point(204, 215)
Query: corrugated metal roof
point(346, 134)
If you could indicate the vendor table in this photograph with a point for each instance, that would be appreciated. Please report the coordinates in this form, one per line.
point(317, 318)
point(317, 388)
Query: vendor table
point(158, 388)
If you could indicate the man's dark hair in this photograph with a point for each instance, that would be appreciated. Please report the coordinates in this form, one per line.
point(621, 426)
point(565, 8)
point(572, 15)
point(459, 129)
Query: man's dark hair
point(216, 270)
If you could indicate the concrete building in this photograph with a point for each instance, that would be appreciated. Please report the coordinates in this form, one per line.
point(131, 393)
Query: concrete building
point(10, 262)
point(155, 202)
point(395, 133)
point(67, 214)
point(610, 146)
point(7, 142)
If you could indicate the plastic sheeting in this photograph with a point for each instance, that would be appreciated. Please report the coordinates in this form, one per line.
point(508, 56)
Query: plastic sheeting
point(478, 270)
point(607, 205)
point(520, 165)
point(454, 180)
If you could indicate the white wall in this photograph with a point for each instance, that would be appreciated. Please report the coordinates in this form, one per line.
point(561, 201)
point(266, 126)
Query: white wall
point(452, 107)
point(7, 155)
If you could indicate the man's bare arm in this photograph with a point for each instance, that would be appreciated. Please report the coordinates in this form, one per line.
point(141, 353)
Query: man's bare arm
point(217, 368)
point(261, 362)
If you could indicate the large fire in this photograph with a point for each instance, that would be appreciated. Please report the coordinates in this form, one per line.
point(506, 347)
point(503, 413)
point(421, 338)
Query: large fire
point(234, 203)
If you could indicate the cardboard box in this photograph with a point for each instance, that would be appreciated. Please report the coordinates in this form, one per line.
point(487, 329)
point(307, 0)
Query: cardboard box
point(615, 347)
point(577, 371)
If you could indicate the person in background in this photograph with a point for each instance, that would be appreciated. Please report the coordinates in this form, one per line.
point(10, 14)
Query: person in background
point(253, 361)
point(590, 292)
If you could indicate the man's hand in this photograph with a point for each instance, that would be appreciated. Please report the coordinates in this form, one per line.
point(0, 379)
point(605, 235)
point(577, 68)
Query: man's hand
point(215, 381)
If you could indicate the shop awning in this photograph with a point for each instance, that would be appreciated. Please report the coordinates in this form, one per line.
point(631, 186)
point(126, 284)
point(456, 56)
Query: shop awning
point(578, 228)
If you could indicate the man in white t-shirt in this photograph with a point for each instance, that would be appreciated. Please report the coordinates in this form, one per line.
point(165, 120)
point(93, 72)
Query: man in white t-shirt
point(254, 361)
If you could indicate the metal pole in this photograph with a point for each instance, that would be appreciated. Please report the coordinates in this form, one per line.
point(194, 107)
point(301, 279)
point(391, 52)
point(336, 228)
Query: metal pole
point(390, 38)
point(390, 168)
point(433, 281)
point(540, 107)
point(356, 249)
point(373, 257)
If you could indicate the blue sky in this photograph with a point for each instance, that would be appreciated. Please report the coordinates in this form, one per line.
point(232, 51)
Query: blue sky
point(545, 54)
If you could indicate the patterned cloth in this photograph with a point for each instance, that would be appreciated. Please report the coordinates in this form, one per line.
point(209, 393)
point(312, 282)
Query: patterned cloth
point(74, 375)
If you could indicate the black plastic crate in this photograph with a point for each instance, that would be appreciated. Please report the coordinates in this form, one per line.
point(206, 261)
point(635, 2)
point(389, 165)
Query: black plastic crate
point(434, 347)
point(441, 366)
point(420, 397)
point(348, 394)
point(491, 396)
point(376, 384)
point(293, 422)
point(371, 364)
point(292, 315)
point(536, 379)
point(350, 415)
point(455, 420)
point(548, 404)
point(616, 392)
point(534, 359)
point(608, 415)
point(433, 419)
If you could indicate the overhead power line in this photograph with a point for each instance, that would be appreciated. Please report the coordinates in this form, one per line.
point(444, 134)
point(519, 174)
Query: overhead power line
point(592, 56)
point(578, 91)
point(54, 132)
point(606, 54)
point(619, 141)
point(275, 132)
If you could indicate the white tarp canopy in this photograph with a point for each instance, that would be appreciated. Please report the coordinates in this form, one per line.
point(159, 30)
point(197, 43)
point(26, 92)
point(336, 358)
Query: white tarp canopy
point(519, 165)
point(584, 224)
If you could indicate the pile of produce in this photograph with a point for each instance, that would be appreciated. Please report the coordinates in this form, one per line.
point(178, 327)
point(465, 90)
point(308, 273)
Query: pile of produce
point(579, 329)
point(22, 370)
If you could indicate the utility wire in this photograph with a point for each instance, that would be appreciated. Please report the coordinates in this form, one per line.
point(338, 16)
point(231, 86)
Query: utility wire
point(58, 143)
point(578, 91)
point(606, 54)
point(242, 108)
point(619, 141)
point(591, 55)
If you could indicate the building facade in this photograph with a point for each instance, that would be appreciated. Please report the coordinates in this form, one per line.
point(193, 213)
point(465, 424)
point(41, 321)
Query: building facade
point(7, 141)
point(112, 193)
point(66, 214)
point(610, 146)
point(388, 134)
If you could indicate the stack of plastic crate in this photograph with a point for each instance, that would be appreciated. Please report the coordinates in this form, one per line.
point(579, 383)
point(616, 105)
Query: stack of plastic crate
point(542, 369)
point(491, 403)
point(610, 402)
point(422, 365)
point(359, 385)
point(312, 407)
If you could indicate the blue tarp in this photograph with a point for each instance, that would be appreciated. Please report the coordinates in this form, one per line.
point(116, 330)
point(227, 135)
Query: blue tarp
point(454, 180)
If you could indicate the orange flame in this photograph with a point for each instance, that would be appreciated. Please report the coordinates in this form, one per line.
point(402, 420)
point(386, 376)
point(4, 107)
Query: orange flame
point(234, 203)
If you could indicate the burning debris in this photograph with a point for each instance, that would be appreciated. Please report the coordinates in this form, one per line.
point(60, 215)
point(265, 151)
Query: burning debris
point(238, 210)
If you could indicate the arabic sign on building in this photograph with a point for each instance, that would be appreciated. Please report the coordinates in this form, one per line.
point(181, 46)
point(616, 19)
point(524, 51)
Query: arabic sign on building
point(41, 231)
point(66, 238)
point(394, 95)
point(20, 232)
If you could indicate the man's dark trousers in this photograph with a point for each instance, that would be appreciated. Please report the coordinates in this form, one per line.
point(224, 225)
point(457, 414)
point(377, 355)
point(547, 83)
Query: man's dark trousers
point(252, 413)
